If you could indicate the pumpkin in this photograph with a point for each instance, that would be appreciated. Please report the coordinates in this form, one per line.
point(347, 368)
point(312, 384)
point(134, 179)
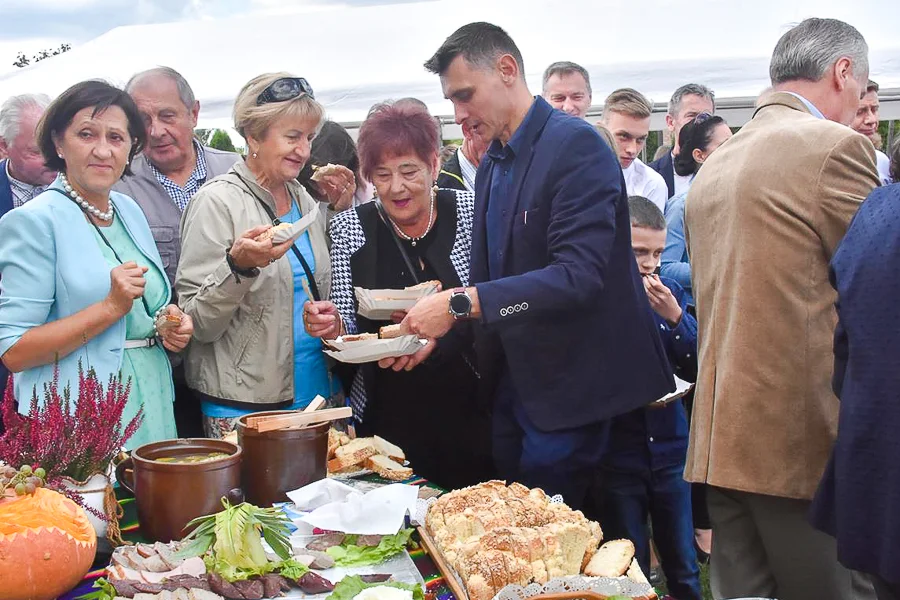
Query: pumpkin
point(47, 545)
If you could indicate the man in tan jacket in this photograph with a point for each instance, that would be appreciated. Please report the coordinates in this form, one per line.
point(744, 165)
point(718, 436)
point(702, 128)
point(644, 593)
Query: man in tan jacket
point(762, 220)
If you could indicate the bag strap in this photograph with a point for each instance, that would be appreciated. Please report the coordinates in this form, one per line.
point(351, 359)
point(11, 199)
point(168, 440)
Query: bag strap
point(314, 288)
point(387, 222)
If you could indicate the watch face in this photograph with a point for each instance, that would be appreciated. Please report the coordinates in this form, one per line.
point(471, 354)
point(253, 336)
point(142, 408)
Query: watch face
point(460, 304)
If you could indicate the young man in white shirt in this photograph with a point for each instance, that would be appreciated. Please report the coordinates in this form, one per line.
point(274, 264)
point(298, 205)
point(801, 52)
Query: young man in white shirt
point(626, 113)
point(866, 123)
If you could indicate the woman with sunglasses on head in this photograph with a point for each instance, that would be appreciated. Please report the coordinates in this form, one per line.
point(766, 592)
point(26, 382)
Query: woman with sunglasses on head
point(83, 282)
point(423, 234)
point(245, 291)
point(697, 140)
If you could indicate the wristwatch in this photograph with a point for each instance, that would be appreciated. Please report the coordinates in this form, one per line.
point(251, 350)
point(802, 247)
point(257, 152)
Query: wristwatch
point(238, 272)
point(460, 304)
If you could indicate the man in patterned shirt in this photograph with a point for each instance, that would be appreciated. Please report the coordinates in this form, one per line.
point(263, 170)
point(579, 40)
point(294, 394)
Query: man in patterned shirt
point(23, 174)
point(166, 175)
point(174, 164)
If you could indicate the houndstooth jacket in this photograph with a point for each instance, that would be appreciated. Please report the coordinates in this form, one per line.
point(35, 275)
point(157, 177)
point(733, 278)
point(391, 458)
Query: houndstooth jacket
point(348, 237)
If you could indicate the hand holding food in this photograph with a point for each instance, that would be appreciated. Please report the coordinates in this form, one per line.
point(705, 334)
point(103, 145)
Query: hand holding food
point(337, 183)
point(175, 328)
point(247, 252)
point(322, 319)
point(662, 301)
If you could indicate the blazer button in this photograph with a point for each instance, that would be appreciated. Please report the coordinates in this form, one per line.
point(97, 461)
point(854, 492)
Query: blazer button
point(239, 379)
point(677, 337)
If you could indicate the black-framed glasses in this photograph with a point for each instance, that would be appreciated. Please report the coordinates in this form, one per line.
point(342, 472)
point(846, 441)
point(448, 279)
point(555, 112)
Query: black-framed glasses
point(284, 89)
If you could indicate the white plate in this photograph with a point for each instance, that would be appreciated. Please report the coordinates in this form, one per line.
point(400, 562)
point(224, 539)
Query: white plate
point(297, 229)
point(373, 350)
point(377, 305)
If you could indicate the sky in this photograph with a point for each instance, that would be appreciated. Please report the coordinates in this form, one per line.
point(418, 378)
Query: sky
point(33, 25)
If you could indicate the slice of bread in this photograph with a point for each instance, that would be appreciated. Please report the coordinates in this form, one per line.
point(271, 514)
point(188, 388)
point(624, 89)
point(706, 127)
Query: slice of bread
point(356, 445)
point(636, 574)
point(343, 463)
point(389, 469)
point(423, 285)
point(268, 234)
point(334, 442)
point(358, 337)
point(612, 559)
point(392, 451)
point(389, 332)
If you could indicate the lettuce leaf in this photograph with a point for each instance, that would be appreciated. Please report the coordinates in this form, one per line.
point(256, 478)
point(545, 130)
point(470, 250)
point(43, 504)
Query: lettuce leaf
point(348, 587)
point(103, 590)
point(349, 554)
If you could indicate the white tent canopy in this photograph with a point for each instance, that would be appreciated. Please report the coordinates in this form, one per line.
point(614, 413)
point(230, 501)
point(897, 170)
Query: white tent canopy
point(354, 57)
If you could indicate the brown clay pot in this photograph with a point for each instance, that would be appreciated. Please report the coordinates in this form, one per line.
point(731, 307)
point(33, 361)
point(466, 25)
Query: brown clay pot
point(169, 495)
point(276, 462)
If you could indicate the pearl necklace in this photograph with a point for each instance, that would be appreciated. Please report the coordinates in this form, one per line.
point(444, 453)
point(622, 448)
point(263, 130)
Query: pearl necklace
point(84, 204)
point(414, 240)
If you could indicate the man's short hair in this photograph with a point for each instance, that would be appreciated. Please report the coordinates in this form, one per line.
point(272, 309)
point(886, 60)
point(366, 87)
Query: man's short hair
point(644, 213)
point(628, 101)
point(185, 93)
point(480, 44)
point(11, 113)
point(690, 89)
point(565, 67)
point(872, 87)
point(808, 50)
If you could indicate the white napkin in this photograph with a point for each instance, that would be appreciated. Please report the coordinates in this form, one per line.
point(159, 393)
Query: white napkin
point(319, 493)
point(379, 512)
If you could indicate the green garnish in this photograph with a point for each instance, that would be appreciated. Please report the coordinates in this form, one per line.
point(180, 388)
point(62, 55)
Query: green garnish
point(348, 554)
point(230, 541)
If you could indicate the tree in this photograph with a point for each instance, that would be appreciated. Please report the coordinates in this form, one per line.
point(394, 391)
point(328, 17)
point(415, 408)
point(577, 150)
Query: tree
point(24, 61)
point(221, 141)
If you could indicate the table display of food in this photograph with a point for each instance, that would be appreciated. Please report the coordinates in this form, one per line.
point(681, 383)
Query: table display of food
point(281, 511)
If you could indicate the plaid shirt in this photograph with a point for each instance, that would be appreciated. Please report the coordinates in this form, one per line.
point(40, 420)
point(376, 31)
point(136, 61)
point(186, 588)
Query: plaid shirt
point(21, 191)
point(182, 195)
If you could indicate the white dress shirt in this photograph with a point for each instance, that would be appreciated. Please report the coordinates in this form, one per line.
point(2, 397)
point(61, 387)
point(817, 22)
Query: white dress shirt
point(641, 180)
point(682, 182)
point(884, 167)
point(468, 170)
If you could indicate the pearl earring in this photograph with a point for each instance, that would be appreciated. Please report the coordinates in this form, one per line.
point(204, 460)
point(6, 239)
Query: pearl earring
point(255, 155)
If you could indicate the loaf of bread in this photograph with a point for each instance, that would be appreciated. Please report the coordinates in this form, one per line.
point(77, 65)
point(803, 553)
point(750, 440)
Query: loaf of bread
point(495, 535)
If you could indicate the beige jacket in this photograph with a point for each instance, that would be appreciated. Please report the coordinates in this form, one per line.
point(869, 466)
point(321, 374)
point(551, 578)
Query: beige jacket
point(762, 221)
point(243, 346)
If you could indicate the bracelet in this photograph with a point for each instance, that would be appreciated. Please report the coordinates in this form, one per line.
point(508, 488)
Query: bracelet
point(238, 272)
point(156, 317)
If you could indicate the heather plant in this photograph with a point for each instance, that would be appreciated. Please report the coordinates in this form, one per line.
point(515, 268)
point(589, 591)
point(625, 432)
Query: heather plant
point(67, 441)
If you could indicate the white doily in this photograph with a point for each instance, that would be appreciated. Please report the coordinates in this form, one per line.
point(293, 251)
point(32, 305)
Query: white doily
point(607, 586)
point(557, 499)
point(422, 506)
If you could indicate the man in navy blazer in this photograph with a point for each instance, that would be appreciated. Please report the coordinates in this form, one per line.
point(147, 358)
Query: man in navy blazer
point(566, 338)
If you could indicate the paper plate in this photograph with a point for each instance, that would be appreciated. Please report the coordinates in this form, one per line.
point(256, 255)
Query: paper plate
point(297, 229)
point(377, 305)
point(681, 389)
point(373, 350)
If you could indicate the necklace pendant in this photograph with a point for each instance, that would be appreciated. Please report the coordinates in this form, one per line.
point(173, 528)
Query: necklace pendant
point(414, 243)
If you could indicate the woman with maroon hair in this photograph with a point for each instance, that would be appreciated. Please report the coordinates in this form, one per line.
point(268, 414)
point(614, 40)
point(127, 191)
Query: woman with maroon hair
point(413, 232)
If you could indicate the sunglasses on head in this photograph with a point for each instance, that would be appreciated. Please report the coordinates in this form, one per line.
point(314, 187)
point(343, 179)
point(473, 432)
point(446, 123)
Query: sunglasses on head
point(702, 117)
point(284, 89)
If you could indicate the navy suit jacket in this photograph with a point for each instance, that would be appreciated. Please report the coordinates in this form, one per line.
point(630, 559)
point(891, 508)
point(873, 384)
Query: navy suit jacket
point(568, 312)
point(858, 500)
point(666, 168)
point(6, 205)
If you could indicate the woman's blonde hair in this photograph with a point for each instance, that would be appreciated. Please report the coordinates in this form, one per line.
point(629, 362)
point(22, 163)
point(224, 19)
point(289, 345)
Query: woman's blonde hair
point(252, 120)
point(607, 136)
